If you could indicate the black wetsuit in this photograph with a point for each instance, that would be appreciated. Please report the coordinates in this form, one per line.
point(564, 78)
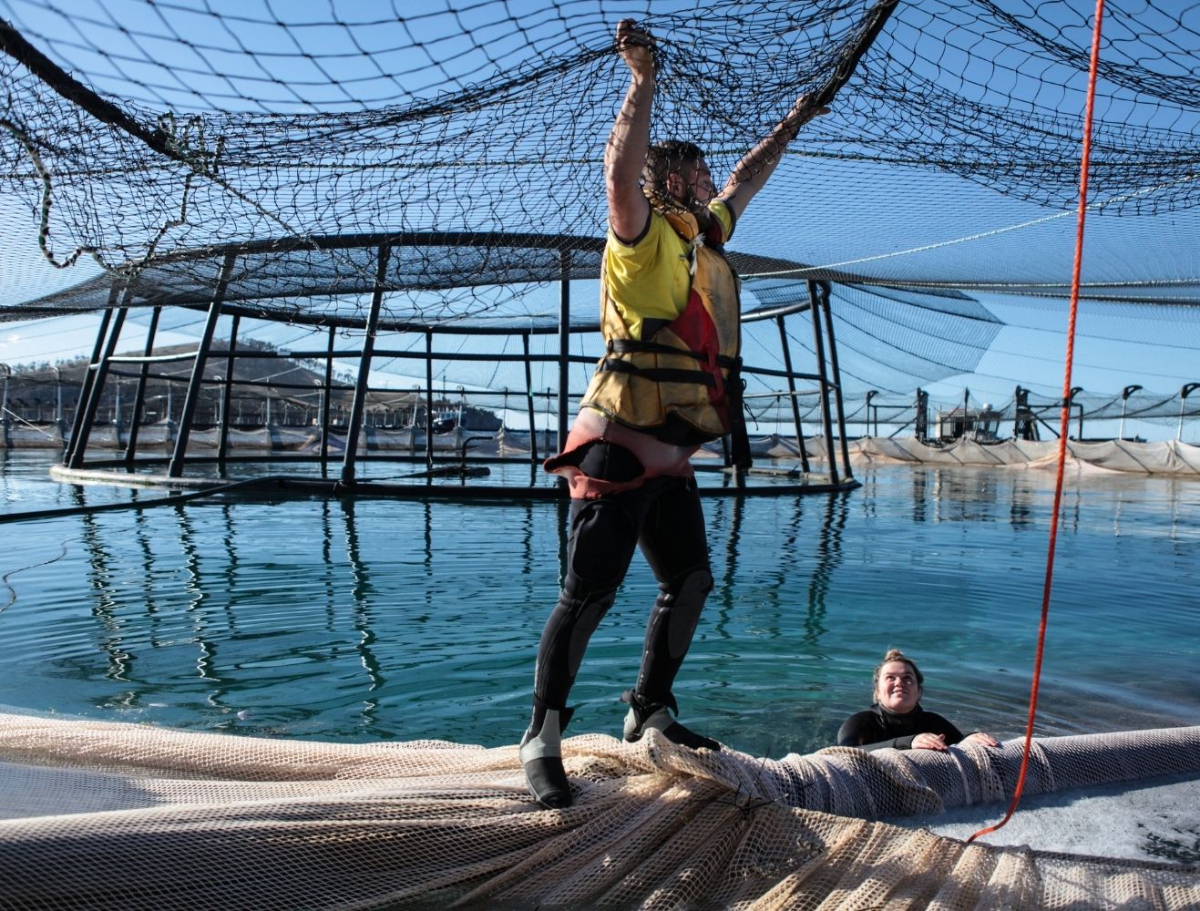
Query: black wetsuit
point(879, 729)
point(664, 518)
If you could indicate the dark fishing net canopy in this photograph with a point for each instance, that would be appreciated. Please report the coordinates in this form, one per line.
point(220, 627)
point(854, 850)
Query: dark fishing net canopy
point(161, 139)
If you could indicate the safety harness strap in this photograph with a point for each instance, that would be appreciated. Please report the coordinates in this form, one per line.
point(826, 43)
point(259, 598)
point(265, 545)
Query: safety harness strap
point(630, 345)
point(660, 374)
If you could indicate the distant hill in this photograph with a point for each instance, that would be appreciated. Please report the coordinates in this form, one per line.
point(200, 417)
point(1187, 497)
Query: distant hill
point(291, 386)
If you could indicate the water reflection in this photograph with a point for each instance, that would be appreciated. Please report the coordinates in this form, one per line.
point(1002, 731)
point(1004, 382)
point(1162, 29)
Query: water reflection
point(330, 591)
point(369, 619)
point(364, 622)
point(735, 509)
point(211, 593)
point(920, 490)
point(800, 551)
point(1021, 513)
point(196, 594)
point(829, 558)
point(957, 495)
point(104, 607)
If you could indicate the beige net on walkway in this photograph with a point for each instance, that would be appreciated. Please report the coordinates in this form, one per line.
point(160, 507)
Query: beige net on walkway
point(127, 816)
point(1165, 457)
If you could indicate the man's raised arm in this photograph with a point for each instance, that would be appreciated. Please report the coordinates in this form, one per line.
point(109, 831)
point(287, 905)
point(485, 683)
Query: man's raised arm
point(628, 208)
point(760, 162)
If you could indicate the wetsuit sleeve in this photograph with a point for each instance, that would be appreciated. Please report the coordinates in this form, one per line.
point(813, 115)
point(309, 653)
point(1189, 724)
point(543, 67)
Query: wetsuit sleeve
point(862, 730)
point(898, 743)
point(853, 731)
point(939, 725)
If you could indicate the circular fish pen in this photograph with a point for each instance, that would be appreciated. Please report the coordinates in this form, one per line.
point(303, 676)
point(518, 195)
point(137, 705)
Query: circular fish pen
point(307, 285)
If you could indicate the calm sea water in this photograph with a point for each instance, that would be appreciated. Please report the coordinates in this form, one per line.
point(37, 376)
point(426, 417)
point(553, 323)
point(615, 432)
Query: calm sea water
point(408, 620)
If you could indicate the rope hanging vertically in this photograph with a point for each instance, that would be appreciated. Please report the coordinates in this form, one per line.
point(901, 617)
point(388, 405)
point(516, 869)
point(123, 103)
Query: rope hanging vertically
point(1064, 421)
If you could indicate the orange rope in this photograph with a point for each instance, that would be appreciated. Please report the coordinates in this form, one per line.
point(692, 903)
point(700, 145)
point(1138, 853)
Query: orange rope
point(1066, 417)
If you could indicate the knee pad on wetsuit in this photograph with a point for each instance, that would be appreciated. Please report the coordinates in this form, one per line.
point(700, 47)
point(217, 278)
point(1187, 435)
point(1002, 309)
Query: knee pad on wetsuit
point(586, 610)
point(684, 598)
point(604, 535)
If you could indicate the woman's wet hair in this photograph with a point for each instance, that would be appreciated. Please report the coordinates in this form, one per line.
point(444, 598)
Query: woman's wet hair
point(894, 654)
point(662, 160)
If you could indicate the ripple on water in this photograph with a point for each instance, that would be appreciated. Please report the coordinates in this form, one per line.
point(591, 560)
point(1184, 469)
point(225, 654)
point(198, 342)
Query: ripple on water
point(411, 620)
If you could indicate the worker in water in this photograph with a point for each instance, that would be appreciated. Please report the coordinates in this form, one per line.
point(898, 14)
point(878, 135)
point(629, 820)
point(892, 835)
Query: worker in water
point(896, 718)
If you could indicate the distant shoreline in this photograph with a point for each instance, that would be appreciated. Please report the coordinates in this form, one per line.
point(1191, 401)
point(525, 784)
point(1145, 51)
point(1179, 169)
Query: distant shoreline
point(1167, 457)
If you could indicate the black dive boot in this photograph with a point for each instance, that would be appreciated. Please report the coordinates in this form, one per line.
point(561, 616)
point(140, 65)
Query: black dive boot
point(643, 715)
point(541, 755)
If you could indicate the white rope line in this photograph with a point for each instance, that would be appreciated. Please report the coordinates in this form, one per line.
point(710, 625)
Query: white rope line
point(912, 250)
point(983, 235)
point(16, 417)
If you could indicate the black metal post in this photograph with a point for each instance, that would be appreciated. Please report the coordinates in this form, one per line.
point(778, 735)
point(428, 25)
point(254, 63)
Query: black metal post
point(326, 396)
point(787, 365)
point(564, 345)
point(1074, 392)
point(871, 393)
point(227, 392)
point(1184, 391)
point(429, 398)
point(826, 291)
point(814, 307)
point(1125, 394)
point(196, 382)
point(100, 369)
point(921, 418)
point(364, 368)
point(74, 453)
point(533, 450)
point(139, 397)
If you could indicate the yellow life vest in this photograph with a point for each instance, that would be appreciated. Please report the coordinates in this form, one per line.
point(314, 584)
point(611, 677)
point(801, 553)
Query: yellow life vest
point(682, 384)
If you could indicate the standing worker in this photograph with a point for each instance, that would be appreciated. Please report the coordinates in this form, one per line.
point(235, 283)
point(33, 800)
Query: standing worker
point(668, 382)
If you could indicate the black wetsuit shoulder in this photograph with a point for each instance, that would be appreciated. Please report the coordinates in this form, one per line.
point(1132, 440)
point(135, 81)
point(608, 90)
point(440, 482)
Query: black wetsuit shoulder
point(878, 729)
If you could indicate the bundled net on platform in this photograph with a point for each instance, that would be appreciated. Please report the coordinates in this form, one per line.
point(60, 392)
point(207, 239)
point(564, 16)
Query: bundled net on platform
point(96, 813)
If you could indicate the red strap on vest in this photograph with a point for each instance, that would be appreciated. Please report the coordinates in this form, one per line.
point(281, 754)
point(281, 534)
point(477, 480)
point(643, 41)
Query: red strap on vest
point(698, 332)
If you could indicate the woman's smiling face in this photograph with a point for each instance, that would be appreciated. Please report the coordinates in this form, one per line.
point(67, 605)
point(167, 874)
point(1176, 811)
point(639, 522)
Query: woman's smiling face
point(897, 689)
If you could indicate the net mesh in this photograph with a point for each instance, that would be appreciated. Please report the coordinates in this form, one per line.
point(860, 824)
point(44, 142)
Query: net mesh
point(150, 140)
point(151, 129)
point(95, 811)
